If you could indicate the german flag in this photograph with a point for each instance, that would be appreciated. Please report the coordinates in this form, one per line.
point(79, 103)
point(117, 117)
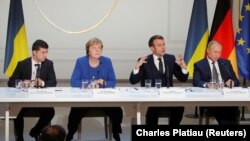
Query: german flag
point(16, 44)
point(222, 31)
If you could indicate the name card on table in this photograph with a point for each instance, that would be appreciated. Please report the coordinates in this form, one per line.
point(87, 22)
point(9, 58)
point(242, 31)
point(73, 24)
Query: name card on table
point(106, 91)
point(174, 91)
point(201, 92)
point(139, 92)
point(78, 92)
point(41, 92)
point(236, 91)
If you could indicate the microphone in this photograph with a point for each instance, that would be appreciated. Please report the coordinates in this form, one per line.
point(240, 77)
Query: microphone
point(102, 74)
point(167, 72)
point(230, 75)
point(37, 66)
point(38, 71)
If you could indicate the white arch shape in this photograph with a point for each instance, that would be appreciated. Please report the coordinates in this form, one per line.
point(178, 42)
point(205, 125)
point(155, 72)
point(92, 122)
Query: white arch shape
point(83, 30)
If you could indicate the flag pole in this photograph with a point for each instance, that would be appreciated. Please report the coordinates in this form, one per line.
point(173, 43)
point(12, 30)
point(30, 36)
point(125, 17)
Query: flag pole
point(244, 83)
point(197, 39)
point(243, 107)
point(240, 51)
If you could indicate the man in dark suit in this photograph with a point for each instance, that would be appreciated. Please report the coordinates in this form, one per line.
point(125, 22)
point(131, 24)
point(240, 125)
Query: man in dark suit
point(203, 73)
point(39, 72)
point(159, 65)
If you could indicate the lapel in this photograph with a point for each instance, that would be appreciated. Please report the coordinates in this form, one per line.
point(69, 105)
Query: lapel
point(151, 66)
point(150, 61)
point(207, 68)
point(43, 65)
point(221, 68)
point(166, 61)
point(29, 68)
point(167, 64)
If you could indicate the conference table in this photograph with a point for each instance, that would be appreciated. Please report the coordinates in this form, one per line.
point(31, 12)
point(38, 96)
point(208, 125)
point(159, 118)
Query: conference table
point(135, 99)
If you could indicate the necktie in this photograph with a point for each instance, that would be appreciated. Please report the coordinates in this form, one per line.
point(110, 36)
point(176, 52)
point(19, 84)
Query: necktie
point(160, 66)
point(38, 68)
point(214, 73)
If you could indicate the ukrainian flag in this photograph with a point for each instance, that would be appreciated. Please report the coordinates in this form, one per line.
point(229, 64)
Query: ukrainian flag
point(16, 44)
point(197, 35)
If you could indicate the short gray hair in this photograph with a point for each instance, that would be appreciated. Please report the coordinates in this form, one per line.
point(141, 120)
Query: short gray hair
point(212, 43)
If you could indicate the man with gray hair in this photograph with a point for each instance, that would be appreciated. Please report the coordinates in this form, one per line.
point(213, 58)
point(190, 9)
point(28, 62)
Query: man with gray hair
point(218, 70)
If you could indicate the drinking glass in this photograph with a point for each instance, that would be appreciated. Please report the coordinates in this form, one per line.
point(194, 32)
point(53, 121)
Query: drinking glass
point(212, 84)
point(158, 83)
point(85, 84)
point(92, 83)
point(147, 83)
point(18, 83)
point(25, 84)
point(220, 84)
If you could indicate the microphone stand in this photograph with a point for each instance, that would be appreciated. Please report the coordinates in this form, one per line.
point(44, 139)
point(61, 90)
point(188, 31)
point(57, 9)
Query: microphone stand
point(102, 73)
point(37, 83)
point(167, 71)
point(244, 83)
point(37, 75)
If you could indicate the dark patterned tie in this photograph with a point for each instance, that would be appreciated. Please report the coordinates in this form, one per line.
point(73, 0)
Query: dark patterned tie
point(214, 73)
point(160, 66)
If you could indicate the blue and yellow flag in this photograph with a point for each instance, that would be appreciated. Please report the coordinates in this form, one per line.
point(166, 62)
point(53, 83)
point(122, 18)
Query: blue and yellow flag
point(197, 35)
point(243, 41)
point(16, 44)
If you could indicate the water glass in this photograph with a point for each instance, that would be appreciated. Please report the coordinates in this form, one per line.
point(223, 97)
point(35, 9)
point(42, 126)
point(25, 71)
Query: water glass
point(26, 84)
point(221, 84)
point(147, 83)
point(158, 83)
point(85, 84)
point(212, 84)
point(18, 83)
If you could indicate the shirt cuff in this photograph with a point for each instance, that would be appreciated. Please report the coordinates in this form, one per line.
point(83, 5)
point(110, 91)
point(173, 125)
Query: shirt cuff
point(205, 85)
point(43, 83)
point(184, 71)
point(135, 71)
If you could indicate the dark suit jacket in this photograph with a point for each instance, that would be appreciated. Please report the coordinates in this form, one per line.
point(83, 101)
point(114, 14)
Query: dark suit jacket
point(149, 71)
point(202, 72)
point(24, 69)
